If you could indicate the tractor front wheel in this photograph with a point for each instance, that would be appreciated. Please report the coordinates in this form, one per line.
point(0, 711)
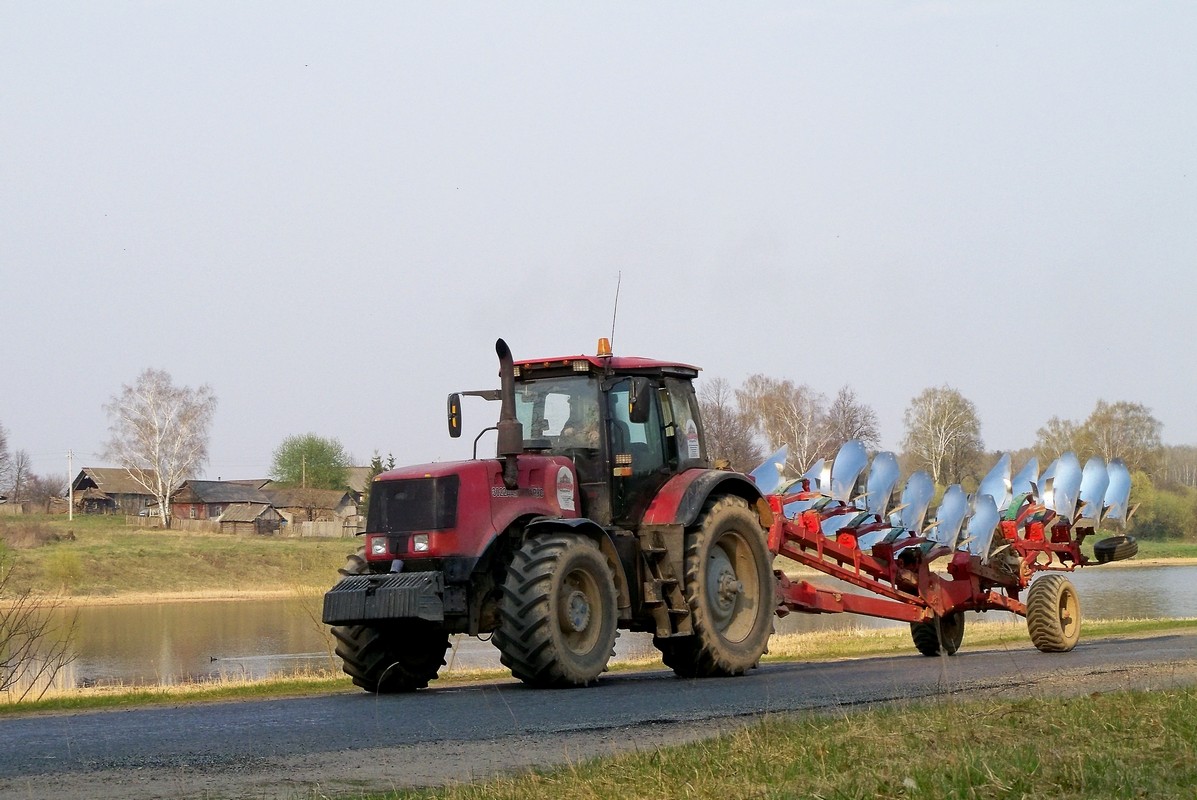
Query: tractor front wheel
point(1053, 614)
point(729, 589)
point(558, 614)
point(940, 634)
point(397, 657)
point(392, 657)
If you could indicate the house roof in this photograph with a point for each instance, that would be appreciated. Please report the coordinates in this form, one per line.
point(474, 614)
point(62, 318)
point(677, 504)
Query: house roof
point(358, 478)
point(245, 512)
point(306, 498)
point(113, 480)
point(217, 492)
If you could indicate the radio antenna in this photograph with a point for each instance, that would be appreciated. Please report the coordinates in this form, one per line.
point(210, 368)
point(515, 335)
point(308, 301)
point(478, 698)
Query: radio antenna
point(614, 311)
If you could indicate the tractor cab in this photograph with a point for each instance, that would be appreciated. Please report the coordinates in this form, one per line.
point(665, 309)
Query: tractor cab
point(628, 425)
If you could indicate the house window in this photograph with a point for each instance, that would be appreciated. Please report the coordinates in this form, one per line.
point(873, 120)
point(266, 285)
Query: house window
point(193, 512)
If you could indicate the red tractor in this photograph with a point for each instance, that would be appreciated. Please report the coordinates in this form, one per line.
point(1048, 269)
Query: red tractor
point(601, 511)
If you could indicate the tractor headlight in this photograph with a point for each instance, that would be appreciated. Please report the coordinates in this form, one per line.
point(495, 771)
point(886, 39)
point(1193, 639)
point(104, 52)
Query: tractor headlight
point(379, 546)
point(419, 543)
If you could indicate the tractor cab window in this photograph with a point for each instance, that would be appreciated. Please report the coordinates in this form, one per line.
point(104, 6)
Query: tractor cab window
point(638, 441)
point(560, 414)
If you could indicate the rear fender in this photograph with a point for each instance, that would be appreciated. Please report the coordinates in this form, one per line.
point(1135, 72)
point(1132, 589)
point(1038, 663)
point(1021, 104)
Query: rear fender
point(681, 500)
point(591, 530)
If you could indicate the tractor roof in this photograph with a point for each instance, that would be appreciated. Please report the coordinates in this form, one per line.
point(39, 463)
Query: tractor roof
point(628, 364)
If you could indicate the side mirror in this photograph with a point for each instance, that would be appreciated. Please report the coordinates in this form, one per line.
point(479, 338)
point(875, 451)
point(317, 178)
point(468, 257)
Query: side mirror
point(455, 415)
point(640, 401)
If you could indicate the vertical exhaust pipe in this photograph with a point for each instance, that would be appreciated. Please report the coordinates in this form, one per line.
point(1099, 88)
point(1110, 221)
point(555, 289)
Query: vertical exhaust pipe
point(511, 432)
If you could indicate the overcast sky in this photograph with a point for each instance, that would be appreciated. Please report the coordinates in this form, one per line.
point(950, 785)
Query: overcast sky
point(328, 212)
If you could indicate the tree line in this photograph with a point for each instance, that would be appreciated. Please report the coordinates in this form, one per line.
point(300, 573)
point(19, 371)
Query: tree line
point(942, 435)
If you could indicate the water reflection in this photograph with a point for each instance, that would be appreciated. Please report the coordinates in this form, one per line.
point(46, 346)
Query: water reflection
point(169, 643)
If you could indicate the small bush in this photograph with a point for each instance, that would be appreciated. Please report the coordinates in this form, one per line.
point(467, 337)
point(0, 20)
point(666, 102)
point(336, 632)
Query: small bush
point(63, 568)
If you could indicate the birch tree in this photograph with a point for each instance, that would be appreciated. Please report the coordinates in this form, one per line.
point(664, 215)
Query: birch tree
point(159, 433)
point(786, 413)
point(943, 434)
point(1123, 430)
point(729, 432)
point(5, 460)
point(1056, 437)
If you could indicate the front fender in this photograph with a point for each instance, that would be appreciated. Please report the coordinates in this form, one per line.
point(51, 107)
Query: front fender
point(592, 530)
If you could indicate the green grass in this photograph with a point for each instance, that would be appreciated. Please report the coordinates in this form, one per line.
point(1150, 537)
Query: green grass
point(1177, 548)
point(1118, 745)
point(101, 556)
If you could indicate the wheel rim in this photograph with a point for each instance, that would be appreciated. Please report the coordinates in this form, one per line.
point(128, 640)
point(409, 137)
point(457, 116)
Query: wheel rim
point(730, 586)
point(1070, 612)
point(578, 596)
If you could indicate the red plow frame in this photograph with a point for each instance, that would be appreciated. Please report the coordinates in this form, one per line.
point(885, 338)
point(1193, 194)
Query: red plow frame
point(902, 580)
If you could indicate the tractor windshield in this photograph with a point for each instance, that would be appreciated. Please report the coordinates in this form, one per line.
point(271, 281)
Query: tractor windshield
point(559, 413)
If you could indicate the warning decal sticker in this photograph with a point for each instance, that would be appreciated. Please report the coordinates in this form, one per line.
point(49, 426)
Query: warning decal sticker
point(565, 489)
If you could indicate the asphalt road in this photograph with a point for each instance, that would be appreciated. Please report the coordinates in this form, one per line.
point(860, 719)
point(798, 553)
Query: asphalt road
point(239, 745)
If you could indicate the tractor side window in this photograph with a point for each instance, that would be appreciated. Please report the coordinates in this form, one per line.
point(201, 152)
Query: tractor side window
point(685, 434)
point(639, 440)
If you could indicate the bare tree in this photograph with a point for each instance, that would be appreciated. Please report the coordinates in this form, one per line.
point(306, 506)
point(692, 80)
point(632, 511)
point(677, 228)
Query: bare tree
point(1123, 430)
point(785, 413)
point(5, 459)
point(19, 473)
point(34, 638)
point(1056, 437)
point(159, 433)
point(848, 418)
point(729, 431)
point(1180, 466)
point(943, 434)
point(44, 489)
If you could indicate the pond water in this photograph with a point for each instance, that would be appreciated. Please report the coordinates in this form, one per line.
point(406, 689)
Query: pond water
point(168, 643)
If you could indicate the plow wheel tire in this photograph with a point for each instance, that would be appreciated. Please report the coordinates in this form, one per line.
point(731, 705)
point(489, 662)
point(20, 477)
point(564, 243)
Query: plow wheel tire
point(729, 589)
point(940, 634)
point(397, 657)
point(1053, 614)
point(558, 614)
point(1115, 548)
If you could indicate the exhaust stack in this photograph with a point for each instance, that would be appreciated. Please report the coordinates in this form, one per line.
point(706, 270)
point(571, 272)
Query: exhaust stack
point(511, 432)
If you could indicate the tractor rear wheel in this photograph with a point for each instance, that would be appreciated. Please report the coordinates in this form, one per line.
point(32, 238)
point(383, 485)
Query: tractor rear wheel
point(729, 589)
point(1053, 614)
point(392, 657)
point(940, 634)
point(558, 614)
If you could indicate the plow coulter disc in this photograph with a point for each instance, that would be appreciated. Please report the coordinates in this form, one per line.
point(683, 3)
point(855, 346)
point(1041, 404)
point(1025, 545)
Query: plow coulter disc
point(1053, 614)
point(940, 634)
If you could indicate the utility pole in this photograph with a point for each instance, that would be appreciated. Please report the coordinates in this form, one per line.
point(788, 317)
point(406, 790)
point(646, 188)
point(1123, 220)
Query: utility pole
point(303, 480)
point(71, 485)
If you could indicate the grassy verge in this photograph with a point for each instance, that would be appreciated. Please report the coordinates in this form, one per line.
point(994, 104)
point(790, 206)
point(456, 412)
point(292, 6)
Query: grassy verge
point(1122, 745)
point(102, 557)
point(805, 647)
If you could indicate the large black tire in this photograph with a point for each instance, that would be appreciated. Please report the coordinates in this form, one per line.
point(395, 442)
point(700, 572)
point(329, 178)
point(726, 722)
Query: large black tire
point(558, 614)
point(942, 634)
point(730, 591)
point(1115, 548)
point(391, 657)
point(397, 657)
point(1053, 614)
